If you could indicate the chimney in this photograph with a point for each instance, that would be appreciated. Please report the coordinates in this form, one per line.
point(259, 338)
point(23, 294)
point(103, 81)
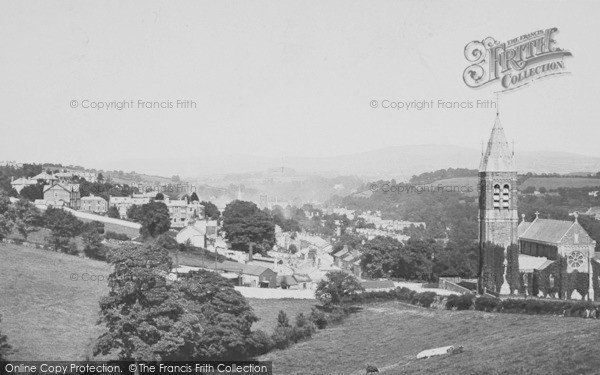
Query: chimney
point(250, 249)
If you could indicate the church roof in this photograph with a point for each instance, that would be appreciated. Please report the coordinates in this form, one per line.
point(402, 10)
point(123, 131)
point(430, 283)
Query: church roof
point(544, 230)
point(497, 156)
point(528, 263)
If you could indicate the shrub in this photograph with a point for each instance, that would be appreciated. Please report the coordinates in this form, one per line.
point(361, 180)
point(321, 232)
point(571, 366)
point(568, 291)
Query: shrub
point(459, 302)
point(109, 235)
point(338, 287)
point(425, 299)
point(303, 328)
point(318, 318)
point(260, 343)
point(487, 304)
point(282, 337)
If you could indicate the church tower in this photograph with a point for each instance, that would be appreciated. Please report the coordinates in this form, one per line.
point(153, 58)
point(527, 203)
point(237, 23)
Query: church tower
point(498, 219)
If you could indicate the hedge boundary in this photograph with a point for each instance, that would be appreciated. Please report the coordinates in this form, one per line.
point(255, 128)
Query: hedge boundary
point(530, 306)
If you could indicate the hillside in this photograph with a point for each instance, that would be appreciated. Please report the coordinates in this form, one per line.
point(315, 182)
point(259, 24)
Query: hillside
point(552, 183)
point(400, 162)
point(49, 302)
point(389, 335)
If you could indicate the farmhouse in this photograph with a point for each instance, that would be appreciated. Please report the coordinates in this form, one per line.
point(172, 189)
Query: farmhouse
point(67, 193)
point(94, 204)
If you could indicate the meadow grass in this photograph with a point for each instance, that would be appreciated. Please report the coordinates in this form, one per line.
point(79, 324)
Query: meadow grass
point(268, 309)
point(389, 335)
point(49, 311)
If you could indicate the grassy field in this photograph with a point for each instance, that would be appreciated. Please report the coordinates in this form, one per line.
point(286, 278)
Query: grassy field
point(389, 335)
point(551, 183)
point(132, 233)
point(49, 302)
point(268, 309)
point(39, 237)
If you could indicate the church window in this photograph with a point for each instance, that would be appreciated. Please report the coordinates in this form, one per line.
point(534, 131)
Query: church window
point(497, 196)
point(575, 259)
point(505, 197)
point(551, 281)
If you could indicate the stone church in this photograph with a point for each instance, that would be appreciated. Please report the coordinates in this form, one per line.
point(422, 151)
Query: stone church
point(555, 257)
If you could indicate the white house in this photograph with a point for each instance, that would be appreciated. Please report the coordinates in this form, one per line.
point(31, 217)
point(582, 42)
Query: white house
point(193, 234)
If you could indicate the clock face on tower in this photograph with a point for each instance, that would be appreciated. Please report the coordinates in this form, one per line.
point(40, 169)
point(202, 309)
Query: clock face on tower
point(575, 259)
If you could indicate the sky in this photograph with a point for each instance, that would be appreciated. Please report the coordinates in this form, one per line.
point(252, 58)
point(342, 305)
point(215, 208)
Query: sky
point(278, 78)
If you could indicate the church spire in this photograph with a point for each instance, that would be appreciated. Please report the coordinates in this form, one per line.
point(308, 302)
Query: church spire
point(497, 157)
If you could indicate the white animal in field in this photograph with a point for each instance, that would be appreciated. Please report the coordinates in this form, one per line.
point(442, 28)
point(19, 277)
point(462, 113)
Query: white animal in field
point(444, 350)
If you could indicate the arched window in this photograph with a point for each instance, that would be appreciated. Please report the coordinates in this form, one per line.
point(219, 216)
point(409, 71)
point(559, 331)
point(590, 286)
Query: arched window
point(506, 197)
point(497, 196)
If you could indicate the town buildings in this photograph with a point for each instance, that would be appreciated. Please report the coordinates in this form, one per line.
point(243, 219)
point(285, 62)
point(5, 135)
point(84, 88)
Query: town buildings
point(66, 193)
point(94, 204)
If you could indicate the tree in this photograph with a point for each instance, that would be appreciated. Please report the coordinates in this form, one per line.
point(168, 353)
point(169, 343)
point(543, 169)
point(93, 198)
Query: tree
point(63, 227)
point(159, 197)
point(194, 198)
point(92, 245)
point(337, 286)
point(4, 202)
point(417, 258)
point(543, 190)
point(113, 212)
point(225, 316)
point(155, 219)
point(33, 192)
point(176, 178)
point(282, 319)
point(135, 213)
point(210, 210)
point(245, 224)
point(25, 216)
point(6, 226)
point(380, 255)
point(146, 320)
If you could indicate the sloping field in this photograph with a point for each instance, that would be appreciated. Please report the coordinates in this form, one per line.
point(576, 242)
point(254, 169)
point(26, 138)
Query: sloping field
point(389, 335)
point(551, 183)
point(268, 309)
point(49, 302)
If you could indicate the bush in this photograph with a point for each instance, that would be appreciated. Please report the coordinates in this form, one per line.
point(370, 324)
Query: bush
point(109, 235)
point(487, 304)
point(260, 343)
point(318, 318)
point(460, 302)
point(282, 337)
point(338, 287)
point(425, 299)
point(304, 328)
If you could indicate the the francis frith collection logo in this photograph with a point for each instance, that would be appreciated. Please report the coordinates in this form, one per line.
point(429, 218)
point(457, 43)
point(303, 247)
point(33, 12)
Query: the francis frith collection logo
point(514, 63)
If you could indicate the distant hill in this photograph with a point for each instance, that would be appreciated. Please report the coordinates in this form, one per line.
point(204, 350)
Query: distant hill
point(401, 163)
point(552, 183)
